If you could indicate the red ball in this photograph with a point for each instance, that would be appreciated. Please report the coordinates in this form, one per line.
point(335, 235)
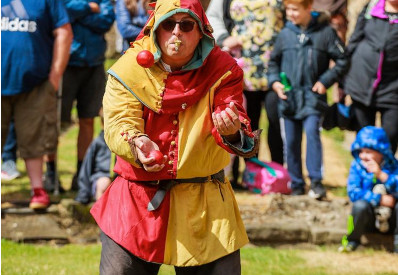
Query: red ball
point(145, 59)
point(158, 157)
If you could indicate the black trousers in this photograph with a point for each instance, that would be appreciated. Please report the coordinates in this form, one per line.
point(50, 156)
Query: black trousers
point(364, 220)
point(115, 260)
point(389, 120)
point(255, 102)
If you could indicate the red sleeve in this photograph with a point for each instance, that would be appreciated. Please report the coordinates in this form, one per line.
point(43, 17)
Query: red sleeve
point(231, 89)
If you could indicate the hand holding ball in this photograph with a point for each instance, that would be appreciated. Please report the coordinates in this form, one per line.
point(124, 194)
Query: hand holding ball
point(158, 157)
point(145, 59)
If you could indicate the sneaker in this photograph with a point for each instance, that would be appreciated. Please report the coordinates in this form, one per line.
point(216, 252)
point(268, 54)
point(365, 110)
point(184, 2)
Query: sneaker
point(49, 182)
point(40, 199)
point(351, 246)
point(317, 190)
point(9, 170)
point(297, 191)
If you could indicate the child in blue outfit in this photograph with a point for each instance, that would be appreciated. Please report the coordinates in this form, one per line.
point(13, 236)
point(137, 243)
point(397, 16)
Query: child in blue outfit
point(374, 166)
point(303, 51)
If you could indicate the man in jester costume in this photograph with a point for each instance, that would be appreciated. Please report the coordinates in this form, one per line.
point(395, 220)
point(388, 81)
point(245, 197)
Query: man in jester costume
point(175, 92)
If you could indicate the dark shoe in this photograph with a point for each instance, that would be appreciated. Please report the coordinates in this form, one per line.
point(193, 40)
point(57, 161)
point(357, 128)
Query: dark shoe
point(49, 182)
point(236, 186)
point(297, 191)
point(317, 190)
point(351, 246)
point(74, 186)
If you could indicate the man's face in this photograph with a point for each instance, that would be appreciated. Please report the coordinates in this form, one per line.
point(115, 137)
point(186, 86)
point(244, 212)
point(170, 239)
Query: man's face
point(187, 31)
point(298, 14)
point(367, 154)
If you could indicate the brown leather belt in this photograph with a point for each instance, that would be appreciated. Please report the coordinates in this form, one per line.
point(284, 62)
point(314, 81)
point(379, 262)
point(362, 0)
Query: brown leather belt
point(165, 185)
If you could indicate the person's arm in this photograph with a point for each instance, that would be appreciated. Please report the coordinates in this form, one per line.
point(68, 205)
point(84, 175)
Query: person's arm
point(122, 119)
point(355, 190)
point(77, 9)
point(102, 21)
point(63, 39)
point(392, 184)
point(336, 52)
point(127, 29)
point(274, 67)
point(243, 141)
point(215, 14)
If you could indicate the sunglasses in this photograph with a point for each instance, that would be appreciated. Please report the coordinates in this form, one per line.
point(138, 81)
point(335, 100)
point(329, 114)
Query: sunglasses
point(185, 25)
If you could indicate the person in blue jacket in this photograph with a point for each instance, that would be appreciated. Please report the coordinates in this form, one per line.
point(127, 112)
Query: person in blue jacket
point(131, 16)
point(303, 50)
point(84, 78)
point(374, 164)
point(36, 37)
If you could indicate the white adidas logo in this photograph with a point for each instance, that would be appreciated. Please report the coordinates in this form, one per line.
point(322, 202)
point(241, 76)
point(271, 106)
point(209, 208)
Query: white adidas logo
point(17, 25)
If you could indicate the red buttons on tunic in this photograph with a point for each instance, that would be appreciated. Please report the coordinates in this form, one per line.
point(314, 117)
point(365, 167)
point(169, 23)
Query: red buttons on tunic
point(170, 162)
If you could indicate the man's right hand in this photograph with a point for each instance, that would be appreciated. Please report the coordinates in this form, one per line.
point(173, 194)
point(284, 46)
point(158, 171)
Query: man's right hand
point(95, 8)
point(143, 147)
point(279, 89)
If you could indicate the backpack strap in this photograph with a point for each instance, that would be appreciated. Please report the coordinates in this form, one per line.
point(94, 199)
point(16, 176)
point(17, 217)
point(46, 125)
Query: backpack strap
point(263, 164)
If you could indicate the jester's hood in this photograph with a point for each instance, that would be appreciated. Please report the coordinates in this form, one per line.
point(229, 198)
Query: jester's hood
point(166, 8)
point(148, 85)
point(374, 138)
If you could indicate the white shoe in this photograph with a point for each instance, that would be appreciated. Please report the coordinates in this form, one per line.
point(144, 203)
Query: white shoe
point(9, 170)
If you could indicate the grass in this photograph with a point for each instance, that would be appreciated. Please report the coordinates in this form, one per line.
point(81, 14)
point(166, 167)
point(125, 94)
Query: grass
point(77, 259)
point(29, 259)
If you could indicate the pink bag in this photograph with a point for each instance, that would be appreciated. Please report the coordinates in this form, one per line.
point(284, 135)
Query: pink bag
point(265, 178)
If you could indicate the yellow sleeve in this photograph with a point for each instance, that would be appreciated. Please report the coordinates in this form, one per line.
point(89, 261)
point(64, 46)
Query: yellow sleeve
point(122, 114)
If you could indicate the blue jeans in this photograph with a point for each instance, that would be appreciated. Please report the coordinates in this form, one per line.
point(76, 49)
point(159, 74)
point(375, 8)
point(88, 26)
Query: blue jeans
point(293, 135)
point(10, 147)
point(364, 220)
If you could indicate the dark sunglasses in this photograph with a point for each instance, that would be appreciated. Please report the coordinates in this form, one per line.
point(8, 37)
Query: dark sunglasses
point(185, 25)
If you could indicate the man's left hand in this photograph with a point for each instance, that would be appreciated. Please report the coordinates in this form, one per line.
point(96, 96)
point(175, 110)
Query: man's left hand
point(227, 122)
point(54, 79)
